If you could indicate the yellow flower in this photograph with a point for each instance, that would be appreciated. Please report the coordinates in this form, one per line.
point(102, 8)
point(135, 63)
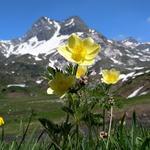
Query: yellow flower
point(80, 51)
point(81, 71)
point(1, 121)
point(110, 76)
point(60, 84)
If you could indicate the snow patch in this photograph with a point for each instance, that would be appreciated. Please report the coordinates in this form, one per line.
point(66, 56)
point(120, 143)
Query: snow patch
point(91, 30)
point(19, 85)
point(138, 68)
point(52, 63)
point(144, 93)
point(39, 81)
point(70, 23)
point(12, 72)
point(116, 61)
point(133, 56)
point(110, 41)
point(35, 47)
point(127, 43)
point(125, 77)
point(146, 50)
point(139, 73)
point(135, 92)
point(147, 71)
point(37, 58)
point(130, 44)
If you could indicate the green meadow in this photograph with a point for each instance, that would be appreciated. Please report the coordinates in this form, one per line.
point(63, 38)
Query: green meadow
point(17, 110)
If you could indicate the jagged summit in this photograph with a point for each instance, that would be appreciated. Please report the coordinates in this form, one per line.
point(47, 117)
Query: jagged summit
point(75, 20)
point(132, 39)
point(73, 24)
point(43, 29)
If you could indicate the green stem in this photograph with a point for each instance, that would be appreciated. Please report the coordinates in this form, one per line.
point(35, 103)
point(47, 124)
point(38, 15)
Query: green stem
point(104, 114)
point(2, 137)
point(67, 120)
point(25, 133)
point(77, 137)
point(57, 147)
point(110, 125)
point(67, 117)
point(74, 69)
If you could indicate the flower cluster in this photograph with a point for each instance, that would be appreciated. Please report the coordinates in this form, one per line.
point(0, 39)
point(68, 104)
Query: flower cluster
point(80, 101)
point(81, 52)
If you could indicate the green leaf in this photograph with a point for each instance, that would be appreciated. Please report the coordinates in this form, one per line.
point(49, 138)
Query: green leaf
point(50, 126)
point(51, 71)
point(69, 69)
point(146, 144)
point(134, 119)
point(68, 110)
point(133, 137)
point(66, 128)
point(93, 118)
point(47, 76)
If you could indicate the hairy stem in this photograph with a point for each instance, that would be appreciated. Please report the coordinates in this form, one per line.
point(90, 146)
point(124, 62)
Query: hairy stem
point(110, 125)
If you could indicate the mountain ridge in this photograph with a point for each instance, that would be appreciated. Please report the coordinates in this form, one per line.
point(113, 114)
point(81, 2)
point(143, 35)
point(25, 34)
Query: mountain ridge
point(38, 48)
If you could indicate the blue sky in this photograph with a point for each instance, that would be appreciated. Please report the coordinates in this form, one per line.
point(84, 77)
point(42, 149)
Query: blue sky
point(116, 19)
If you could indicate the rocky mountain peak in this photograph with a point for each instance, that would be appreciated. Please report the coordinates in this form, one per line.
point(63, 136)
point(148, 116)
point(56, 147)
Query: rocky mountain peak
point(76, 20)
point(131, 39)
point(72, 25)
point(43, 29)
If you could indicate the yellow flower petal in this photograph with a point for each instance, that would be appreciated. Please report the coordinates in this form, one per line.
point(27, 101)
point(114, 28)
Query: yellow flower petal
point(50, 91)
point(110, 76)
point(88, 62)
point(61, 84)
point(91, 56)
point(91, 46)
point(79, 53)
point(66, 53)
point(73, 41)
point(81, 71)
point(2, 121)
point(71, 80)
point(82, 52)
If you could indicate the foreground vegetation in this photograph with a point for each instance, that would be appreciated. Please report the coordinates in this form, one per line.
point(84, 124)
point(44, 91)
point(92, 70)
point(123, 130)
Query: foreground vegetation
point(125, 137)
point(125, 133)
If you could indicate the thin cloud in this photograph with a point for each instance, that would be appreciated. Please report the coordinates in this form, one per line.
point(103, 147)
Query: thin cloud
point(148, 19)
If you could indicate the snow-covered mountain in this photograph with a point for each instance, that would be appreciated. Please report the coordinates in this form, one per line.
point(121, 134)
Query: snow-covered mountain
point(22, 60)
